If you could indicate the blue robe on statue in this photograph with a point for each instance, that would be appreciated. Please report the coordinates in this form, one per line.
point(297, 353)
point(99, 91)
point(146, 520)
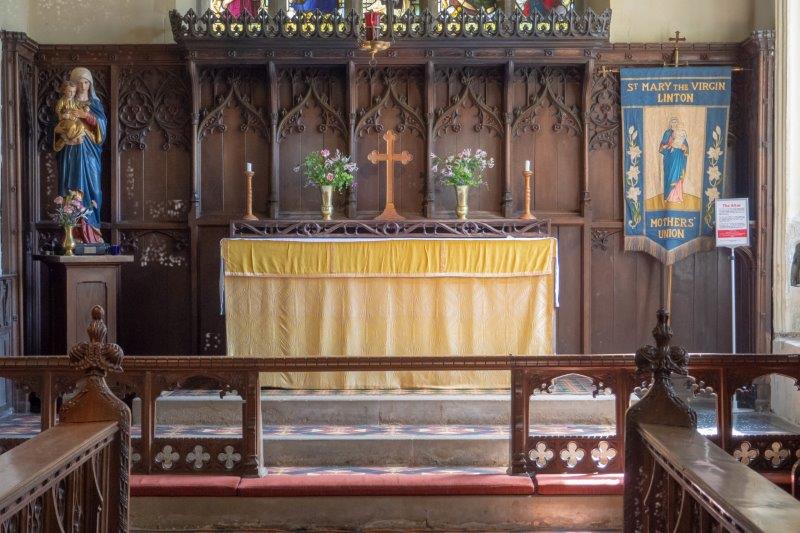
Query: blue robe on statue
point(674, 161)
point(80, 165)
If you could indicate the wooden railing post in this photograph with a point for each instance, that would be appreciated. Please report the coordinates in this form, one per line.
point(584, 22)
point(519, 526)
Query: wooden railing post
point(520, 420)
point(96, 403)
point(252, 437)
point(659, 406)
point(148, 420)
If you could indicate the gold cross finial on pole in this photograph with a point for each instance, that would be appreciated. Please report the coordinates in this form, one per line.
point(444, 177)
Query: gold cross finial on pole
point(676, 54)
point(404, 158)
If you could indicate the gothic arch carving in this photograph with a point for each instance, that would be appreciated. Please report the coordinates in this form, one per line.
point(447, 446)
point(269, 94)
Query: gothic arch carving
point(370, 119)
point(306, 93)
point(546, 87)
point(604, 112)
point(231, 88)
point(153, 99)
point(448, 119)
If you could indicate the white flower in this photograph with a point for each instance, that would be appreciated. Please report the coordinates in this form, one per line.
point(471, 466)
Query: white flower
point(631, 130)
point(715, 152)
point(633, 173)
point(634, 151)
point(633, 193)
point(712, 193)
point(714, 174)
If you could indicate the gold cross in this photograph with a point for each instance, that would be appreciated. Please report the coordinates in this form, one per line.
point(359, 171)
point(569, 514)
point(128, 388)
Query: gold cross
point(676, 53)
point(404, 158)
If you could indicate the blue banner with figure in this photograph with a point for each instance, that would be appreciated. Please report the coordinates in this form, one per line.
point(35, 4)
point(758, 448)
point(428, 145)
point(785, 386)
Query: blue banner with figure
point(675, 122)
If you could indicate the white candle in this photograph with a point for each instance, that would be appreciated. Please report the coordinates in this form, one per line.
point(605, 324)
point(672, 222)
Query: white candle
point(527, 166)
point(249, 167)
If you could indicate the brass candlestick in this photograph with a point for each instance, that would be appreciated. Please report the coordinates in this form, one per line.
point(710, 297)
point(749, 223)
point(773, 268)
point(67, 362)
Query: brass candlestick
point(248, 215)
point(527, 215)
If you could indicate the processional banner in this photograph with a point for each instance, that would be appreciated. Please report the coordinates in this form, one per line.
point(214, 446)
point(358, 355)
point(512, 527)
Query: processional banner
point(675, 124)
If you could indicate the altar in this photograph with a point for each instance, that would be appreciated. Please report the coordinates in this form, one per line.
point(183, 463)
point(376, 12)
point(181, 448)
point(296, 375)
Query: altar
point(389, 297)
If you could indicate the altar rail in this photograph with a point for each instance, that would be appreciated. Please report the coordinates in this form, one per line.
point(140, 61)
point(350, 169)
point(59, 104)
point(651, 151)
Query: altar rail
point(145, 377)
point(691, 485)
point(74, 476)
point(675, 479)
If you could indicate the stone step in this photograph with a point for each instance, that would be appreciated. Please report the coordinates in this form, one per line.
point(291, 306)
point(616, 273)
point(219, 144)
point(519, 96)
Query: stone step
point(378, 513)
point(291, 408)
point(413, 446)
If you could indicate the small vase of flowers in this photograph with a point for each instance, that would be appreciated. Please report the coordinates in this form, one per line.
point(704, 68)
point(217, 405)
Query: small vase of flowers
point(462, 170)
point(330, 172)
point(68, 213)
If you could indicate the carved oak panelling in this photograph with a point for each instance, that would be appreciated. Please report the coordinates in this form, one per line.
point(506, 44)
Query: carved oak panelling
point(468, 114)
point(50, 79)
point(212, 323)
point(234, 129)
point(390, 99)
point(156, 286)
point(631, 287)
point(546, 128)
point(311, 116)
point(154, 131)
point(604, 112)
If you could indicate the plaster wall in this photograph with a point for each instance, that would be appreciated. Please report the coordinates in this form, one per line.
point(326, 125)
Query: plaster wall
point(786, 298)
point(646, 21)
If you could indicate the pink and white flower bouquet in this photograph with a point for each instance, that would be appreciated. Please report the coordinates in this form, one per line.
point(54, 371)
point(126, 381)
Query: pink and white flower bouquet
point(464, 168)
point(325, 168)
point(69, 210)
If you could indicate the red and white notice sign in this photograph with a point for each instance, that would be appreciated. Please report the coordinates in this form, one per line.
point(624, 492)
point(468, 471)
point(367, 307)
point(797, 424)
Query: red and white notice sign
point(733, 222)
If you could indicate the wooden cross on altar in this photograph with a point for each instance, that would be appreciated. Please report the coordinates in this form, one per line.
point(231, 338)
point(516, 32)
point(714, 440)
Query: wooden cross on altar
point(404, 158)
point(676, 54)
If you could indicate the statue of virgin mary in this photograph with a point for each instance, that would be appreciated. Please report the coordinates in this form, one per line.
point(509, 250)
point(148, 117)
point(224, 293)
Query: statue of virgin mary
point(80, 163)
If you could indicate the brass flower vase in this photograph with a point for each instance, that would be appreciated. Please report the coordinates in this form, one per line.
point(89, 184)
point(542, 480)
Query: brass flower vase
point(68, 243)
point(462, 197)
point(327, 201)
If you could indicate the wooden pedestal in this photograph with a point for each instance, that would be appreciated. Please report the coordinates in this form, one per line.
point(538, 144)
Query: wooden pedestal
point(78, 283)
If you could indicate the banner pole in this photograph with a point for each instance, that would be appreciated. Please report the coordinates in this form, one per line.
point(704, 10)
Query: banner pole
point(733, 301)
point(669, 289)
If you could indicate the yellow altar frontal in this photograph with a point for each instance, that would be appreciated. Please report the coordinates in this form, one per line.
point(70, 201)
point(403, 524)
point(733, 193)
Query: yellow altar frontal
point(389, 297)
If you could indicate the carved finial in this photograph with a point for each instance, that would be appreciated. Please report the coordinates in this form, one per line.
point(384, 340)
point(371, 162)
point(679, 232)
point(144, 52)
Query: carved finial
point(662, 333)
point(662, 359)
point(97, 329)
point(96, 356)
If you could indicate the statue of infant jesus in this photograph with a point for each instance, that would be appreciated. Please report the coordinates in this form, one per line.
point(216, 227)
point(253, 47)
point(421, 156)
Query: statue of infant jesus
point(70, 128)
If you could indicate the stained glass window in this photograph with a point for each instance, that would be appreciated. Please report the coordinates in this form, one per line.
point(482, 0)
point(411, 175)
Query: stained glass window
point(400, 6)
point(454, 7)
point(236, 7)
point(561, 7)
point(308, 6)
